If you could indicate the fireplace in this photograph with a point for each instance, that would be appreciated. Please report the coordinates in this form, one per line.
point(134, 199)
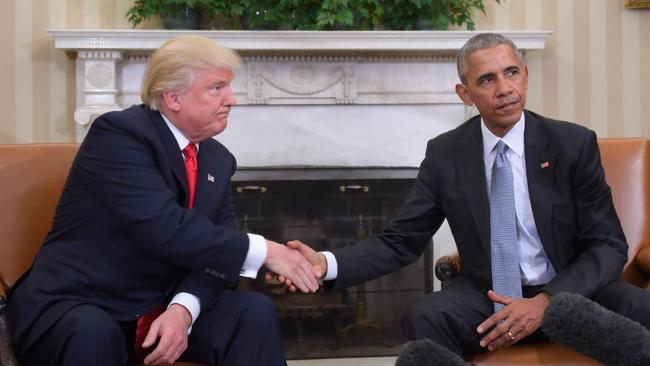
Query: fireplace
point(329, 208)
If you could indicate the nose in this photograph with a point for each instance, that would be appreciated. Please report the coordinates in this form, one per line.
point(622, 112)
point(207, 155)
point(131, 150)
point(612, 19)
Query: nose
point(230, 100)
point(503, 87)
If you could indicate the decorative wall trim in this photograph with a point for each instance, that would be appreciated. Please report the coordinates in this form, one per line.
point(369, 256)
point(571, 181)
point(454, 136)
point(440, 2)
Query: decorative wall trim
point(288, 40)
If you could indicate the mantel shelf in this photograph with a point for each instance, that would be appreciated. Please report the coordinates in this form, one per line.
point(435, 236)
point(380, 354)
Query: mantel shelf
point(367, 41)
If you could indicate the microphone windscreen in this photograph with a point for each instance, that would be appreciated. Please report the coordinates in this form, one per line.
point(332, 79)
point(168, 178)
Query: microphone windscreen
point(424, 352)
point(584, 326)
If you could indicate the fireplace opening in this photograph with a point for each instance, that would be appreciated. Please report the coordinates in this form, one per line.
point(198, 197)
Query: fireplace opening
point(330, 208)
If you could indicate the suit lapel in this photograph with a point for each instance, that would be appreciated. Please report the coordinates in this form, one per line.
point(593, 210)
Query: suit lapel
point(469, 164)
point(207, 180)
point(540, 170)
point(171, 148)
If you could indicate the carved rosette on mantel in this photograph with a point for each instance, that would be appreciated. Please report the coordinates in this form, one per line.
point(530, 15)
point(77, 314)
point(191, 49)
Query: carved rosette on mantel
point(292, 68)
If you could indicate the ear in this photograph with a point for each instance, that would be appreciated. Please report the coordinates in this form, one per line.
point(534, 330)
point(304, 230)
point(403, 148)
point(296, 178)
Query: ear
point(171, 99)
point(464, 95)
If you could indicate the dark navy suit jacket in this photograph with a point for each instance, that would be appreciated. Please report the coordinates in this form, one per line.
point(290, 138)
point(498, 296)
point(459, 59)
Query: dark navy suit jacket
point(122, 237)
point(572, 206)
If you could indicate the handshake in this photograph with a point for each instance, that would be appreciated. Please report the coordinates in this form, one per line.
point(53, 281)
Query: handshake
point(296, 265)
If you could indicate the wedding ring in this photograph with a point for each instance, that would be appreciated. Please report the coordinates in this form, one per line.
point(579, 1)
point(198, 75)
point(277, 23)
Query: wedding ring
point(512, 338)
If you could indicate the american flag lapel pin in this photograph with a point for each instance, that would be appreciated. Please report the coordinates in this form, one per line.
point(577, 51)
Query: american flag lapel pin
point(545, 165)
point(210, 178)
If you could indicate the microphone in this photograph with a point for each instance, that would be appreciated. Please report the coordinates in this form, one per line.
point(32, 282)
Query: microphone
point(584, 326)
point(424, 352)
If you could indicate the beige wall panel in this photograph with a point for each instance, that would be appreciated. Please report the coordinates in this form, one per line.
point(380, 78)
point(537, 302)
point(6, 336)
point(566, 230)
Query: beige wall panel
point(91, 14)
point(7, 74)
point(582, 64)
point(550, 82)
point(631, 68)
point(613, 42)
point(41, 45)
point(518, 15)
point(644, 72)
point(565, 61)
point(534, 15)
point(24, 70)
point(108, 14)
point(500, 16)
point(61, 124)
point(534, 59)
point(483, 21)
point(598, 70)
point(121, 7)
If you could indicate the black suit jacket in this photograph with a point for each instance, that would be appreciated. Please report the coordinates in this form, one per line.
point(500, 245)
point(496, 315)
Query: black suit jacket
point(122, 237)
point(571, 202)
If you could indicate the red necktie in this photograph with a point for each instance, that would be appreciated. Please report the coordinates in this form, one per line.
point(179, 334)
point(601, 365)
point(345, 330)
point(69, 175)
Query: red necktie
point(189, 152)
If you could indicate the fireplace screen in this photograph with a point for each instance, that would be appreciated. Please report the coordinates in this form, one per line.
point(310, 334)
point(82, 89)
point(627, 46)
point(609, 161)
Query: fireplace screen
point(328, 214)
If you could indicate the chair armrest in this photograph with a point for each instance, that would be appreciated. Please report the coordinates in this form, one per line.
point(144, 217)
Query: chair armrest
point(643, 261)
point(446, 268)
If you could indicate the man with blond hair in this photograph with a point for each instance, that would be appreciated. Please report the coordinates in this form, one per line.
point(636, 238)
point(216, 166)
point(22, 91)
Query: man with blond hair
point(142, 262)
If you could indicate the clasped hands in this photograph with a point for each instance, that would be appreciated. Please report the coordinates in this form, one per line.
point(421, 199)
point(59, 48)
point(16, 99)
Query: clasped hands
point(295, 265)
point(517, 320)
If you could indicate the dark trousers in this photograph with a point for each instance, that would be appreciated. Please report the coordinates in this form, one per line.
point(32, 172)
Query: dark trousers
point(450, 317)
point(240, 328)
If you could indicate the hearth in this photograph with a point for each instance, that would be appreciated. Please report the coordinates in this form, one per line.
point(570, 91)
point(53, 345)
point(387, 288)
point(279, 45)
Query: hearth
point(329, 208)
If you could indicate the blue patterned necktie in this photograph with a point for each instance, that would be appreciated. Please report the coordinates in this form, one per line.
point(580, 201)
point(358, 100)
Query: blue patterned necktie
point(506, 279)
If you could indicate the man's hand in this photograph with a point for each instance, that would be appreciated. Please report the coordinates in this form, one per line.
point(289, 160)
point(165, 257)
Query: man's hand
point(292, 265)
point(317, 261)
point(171, 327)
point(518, 319)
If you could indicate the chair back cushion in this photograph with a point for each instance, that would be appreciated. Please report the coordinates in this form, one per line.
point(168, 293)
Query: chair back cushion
point(627, 170)
point(31, 181)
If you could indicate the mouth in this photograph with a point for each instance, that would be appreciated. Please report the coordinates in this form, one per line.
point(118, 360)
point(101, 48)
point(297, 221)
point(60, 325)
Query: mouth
point(506, 105)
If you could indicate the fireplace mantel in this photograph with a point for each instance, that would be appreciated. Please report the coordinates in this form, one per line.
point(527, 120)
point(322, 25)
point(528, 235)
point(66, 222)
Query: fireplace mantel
point(374, 97)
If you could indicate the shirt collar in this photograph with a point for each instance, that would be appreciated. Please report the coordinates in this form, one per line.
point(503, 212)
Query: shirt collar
point(178, 135)
point(514, 138)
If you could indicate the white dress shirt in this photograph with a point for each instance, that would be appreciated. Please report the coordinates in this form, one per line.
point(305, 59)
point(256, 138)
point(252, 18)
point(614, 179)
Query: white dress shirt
point(536, 269)
point(255, 256)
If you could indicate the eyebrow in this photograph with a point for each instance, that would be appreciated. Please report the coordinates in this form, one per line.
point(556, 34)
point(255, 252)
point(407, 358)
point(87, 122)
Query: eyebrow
point(220, 82)
point(493, 74)
point(511, 68)
point(485, 76)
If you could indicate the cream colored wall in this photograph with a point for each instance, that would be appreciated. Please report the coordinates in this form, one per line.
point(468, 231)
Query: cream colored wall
point(595, 69)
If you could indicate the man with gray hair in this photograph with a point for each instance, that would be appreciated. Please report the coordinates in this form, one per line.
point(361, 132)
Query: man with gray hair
point(142, 261)
point(527, 202)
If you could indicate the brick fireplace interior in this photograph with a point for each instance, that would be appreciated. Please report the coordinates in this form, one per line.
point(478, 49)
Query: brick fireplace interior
point(329, 209)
